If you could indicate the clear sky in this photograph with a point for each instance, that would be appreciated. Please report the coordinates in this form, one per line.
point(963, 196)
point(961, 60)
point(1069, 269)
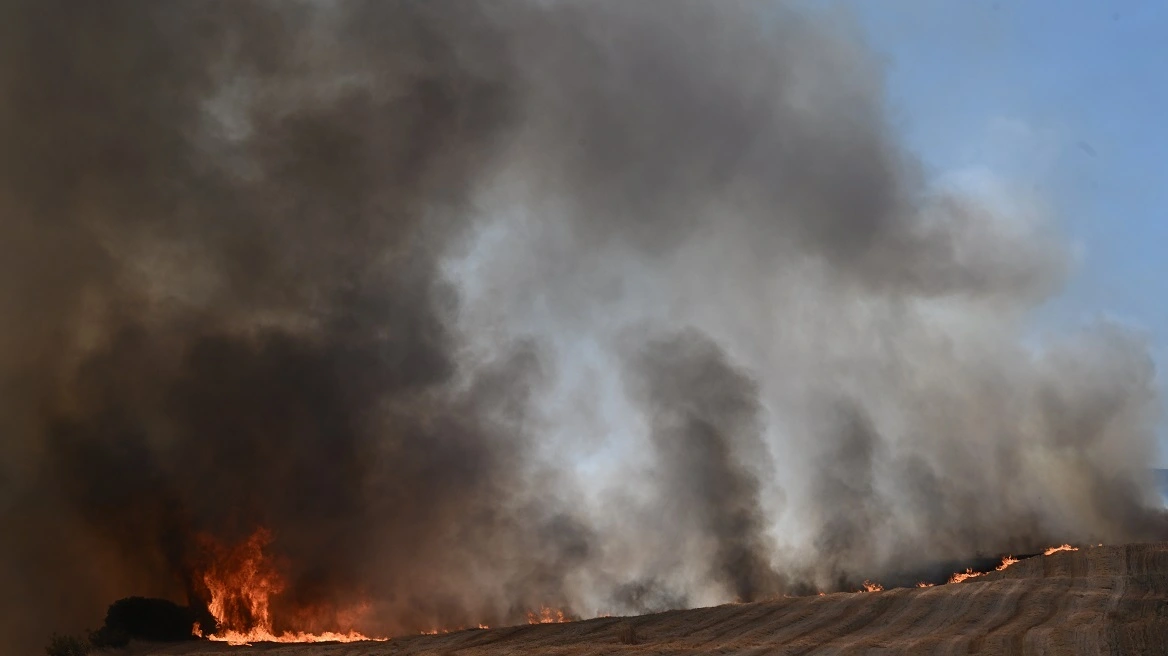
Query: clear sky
point(1068, 99)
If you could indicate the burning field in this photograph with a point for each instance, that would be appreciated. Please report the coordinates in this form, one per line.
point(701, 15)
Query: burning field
point(1092, 601)
point(335, 320)
point(241, 583)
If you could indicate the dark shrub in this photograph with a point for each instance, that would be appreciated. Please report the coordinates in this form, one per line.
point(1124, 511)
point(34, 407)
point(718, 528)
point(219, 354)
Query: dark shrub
point(207, 623)
point(158, 620)
point(67, 645)
point(108, 638)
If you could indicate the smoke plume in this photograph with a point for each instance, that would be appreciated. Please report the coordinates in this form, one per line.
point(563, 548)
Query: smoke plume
point(481, 306)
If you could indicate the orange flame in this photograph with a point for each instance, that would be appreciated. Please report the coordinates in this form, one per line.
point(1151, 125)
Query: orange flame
point(242, 581)
point(547, 616)
point(963, 576)
point(872, 587)
point(922, 584)
point(969, 573)
point(1006, 562)
point(1063, 547)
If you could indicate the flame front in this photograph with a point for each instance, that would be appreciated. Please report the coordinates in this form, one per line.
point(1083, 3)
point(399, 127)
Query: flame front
point(241, 582)
point(962, 576)
point(969, 573)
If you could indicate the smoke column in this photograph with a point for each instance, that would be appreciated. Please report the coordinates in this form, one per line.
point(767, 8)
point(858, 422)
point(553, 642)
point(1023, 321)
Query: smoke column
point(479, 306)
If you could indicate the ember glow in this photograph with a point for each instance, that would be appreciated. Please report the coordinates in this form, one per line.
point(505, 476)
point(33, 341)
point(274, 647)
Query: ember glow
point(242, 581)
point(547, 616)
point(461, 628)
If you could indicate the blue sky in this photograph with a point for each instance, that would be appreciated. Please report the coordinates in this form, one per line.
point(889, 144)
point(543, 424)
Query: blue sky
point(1066, 99)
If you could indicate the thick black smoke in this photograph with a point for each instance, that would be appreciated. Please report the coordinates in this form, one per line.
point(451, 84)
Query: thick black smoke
point(350, 270)
point(222, 231)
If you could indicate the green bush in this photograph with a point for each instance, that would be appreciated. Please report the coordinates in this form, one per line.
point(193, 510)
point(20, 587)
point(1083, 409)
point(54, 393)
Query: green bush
point(67, 645)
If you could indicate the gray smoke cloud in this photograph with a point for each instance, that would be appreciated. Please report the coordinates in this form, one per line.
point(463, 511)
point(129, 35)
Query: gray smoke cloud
point(704, 425)
point(482, 306)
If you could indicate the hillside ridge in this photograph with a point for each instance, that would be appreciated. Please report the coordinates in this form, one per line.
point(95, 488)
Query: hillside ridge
point(1099, 600)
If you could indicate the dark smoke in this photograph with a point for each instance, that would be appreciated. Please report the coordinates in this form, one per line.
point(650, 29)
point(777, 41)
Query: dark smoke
point(225, 305)
point(847, 493)
point(363, 273)
point(704, 418)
